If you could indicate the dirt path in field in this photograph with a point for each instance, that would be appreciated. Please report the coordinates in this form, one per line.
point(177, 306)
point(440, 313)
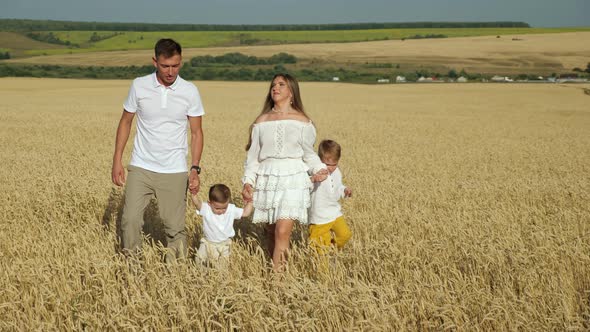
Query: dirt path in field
point(517, 53)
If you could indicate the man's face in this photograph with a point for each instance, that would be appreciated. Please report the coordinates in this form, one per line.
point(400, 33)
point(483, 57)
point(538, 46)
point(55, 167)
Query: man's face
point(167, 68)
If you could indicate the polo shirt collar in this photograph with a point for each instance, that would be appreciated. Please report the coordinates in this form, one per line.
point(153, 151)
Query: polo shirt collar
point(157, 84)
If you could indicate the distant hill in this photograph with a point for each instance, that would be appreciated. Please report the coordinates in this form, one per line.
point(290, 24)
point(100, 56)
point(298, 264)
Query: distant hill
point(50, 25)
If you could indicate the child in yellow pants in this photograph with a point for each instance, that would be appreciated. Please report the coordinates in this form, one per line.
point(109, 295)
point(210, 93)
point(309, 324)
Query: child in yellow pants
point(325, 215)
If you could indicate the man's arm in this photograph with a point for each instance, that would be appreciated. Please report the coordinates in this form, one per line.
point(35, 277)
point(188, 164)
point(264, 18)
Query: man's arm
point(196, 151)
point(118, 172)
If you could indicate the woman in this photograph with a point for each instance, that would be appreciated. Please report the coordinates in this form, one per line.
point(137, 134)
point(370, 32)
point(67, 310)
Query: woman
point(280, 153)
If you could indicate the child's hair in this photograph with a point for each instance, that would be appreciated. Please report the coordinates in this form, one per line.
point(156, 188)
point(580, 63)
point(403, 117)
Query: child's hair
point(219, 193)
point(330, 148)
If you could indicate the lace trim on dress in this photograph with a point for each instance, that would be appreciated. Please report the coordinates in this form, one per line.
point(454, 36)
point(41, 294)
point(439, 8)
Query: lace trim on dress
point(269, 216)
point(279, 139)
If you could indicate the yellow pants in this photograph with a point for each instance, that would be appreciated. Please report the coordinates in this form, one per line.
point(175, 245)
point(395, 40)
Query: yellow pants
point(320, 236)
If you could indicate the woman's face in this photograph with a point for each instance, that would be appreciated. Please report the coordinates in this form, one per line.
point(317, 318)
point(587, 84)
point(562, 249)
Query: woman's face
point(280, 91)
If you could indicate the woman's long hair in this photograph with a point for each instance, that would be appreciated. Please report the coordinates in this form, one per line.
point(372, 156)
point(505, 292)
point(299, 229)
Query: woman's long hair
point(269, 104)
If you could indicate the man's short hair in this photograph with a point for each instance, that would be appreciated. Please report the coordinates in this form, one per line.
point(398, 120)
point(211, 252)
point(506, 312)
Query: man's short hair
point(330, 148)
point(167, 47)
point(219, 193)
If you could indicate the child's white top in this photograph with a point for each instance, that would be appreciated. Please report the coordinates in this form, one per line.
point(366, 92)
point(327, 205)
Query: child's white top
point(219, 227)
point(324, 199)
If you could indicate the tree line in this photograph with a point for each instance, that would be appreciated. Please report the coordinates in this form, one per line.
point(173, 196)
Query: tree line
point(239, 73)
point(49, 38)
point(240, 67)
point(50, 25)
point(237, 58)
point(188, 73)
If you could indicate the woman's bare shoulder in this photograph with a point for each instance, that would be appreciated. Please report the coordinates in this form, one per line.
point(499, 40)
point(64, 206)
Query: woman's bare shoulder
point(261, 118)
point(301, 117)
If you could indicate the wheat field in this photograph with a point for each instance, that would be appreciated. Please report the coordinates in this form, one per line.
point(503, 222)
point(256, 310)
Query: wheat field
point(470, 212)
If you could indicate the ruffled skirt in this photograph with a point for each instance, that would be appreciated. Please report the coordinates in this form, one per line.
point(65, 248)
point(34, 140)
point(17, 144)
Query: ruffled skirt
point(282, 191)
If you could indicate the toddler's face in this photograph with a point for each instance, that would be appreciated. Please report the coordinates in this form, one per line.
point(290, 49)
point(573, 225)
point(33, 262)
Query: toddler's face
point(331, 162)
point(218, 208)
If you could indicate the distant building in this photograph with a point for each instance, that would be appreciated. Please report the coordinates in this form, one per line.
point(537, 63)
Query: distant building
point(497, 78)
point(571, 80)
point(383, 80)
point(462, 80)
point(335, 78)
point(400, 79)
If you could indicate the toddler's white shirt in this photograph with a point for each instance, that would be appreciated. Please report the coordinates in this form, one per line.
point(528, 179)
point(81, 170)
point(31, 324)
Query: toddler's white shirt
point(219, 227)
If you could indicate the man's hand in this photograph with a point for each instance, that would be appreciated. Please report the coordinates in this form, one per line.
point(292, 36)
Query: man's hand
point(118, 174)
point(247, 193)
point(194, 182)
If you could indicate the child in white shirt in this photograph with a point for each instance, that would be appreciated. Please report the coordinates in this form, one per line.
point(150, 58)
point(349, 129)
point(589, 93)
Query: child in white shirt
point(326, 217)
point(218, 222)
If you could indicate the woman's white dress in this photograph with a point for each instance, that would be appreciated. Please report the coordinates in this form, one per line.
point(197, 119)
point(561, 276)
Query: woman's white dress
point(277, 167)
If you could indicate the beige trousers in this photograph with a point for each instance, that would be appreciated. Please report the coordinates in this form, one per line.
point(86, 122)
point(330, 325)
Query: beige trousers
point(170, 192)
point(213, 251)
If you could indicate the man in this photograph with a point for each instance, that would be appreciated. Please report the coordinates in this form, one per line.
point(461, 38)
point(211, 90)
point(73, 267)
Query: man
point(164, 104)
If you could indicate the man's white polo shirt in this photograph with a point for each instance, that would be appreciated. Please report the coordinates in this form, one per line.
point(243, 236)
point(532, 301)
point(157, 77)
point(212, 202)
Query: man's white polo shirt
point(161, 141)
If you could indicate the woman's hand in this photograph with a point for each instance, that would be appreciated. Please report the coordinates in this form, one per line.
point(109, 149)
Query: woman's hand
point(247, 193)
point(320, 176)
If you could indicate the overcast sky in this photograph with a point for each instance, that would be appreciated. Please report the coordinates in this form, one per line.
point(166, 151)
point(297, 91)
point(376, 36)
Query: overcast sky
point(538, 13)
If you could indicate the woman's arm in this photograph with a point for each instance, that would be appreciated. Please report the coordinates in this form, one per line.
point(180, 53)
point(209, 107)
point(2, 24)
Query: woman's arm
point(310, 157)
point(251, 163)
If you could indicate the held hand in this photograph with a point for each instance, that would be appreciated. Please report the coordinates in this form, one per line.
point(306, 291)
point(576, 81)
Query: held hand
point(247, 193)
point(347, 192)
point(320, 176)
point(194, 183)
point(118, 174)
